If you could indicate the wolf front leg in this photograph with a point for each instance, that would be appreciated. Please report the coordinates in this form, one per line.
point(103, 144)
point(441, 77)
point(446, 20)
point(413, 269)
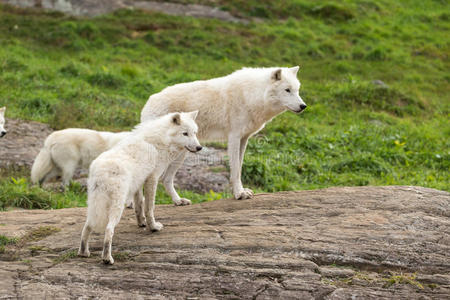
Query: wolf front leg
point(234, 152)
point(149, 205)
point(168, 177)
point(243, 146)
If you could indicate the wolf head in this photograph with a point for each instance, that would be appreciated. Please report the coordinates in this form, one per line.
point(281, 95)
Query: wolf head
point(183, 131)
point(283, 90)
point(2, 122)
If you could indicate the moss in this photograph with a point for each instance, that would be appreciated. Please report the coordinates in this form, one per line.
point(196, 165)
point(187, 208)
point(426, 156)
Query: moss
point(39, 233)
point(402, 278)
point(65, 256)
point(122, 256)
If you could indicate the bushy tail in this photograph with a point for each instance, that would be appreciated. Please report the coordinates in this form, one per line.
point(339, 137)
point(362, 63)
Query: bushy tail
point(98, 204)
point(41, 167)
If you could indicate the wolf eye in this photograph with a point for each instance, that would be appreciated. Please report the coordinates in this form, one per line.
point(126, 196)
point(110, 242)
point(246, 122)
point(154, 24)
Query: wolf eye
point(185, 133)
point(288, 90)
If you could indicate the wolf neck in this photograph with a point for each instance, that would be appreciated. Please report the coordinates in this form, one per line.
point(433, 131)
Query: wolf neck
point(156, 134)
point(266, 110)
point(270, 111)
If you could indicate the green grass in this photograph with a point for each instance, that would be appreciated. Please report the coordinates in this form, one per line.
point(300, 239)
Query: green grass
point(18, 192)
point(5, 241)
point(98, 73)
point(330, 10)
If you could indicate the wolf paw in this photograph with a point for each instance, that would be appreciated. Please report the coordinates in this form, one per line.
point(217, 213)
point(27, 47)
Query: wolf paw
point(156, 227)
point(130, 204)
point(243, 194)
point(108, 260)
point(141, 221)
point(182, 202)
point(86, 253)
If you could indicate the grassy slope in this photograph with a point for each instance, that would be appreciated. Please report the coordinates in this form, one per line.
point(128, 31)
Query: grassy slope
point(99, 72)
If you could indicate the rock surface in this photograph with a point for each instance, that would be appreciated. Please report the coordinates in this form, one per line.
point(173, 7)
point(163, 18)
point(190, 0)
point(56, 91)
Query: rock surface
point(336, 243)
point(200, 172)
point(22, 143)
point(91, 8)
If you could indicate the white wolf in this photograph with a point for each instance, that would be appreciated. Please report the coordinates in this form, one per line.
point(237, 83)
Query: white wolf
point(119, 174)
point(2, 122)
point(67, 149)
point(231, 108)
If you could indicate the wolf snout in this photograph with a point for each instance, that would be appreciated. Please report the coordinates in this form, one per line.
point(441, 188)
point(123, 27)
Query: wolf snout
point(300, 109)
point(3, 133)
point(194, 149)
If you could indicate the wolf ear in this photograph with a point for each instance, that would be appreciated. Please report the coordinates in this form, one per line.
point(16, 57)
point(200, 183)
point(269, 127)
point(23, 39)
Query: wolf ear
point(276, 75)
point(2, 110)
point(193, 114)
point(176, 119)
point(294, 70)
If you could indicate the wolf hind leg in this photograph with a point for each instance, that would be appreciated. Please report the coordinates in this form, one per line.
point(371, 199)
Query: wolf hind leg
point(84, 244)
point(114, 217)
point(138, 203)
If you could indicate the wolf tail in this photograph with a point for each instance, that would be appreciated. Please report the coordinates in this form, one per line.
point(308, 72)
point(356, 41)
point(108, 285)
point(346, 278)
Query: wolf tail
point(42, 165)
point(98, 209)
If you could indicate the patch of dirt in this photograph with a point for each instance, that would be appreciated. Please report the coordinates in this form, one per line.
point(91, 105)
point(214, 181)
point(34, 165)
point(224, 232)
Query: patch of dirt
point(337, 243)
point(92, 8)
point(199, 172)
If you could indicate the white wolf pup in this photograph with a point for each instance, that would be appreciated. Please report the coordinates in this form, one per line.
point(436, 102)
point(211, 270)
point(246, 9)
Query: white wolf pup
point(231, 108)
point(66, 150)
point(119, 174)
point(2, 122)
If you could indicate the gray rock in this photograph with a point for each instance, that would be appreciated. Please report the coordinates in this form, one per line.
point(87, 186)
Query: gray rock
point(380, 83)
point(93, 8)
point(276, 246)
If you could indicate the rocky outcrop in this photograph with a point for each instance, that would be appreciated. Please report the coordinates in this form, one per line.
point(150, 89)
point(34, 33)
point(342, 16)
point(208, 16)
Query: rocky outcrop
point(336, 243)
point(22, 143)
point(92, 8)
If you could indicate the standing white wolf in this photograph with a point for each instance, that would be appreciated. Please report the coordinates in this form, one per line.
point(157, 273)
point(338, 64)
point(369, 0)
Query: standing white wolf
point(231, 108)
point(119, 174)
point(2, 122)
point(67, 149)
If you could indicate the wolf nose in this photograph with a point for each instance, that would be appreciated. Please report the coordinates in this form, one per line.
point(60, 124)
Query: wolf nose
point(303, 106)
point(198, 148)
point(2, 133)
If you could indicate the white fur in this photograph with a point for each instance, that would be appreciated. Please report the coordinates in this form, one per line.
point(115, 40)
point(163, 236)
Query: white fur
point(119, 174)
point(2, 122)
point(231, 108)
point(66, 150)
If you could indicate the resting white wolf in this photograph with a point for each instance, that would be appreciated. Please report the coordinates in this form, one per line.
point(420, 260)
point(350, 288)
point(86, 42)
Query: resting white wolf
point(119, 174)
point(67, 149)
point(2, 122)
point(231, 108)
